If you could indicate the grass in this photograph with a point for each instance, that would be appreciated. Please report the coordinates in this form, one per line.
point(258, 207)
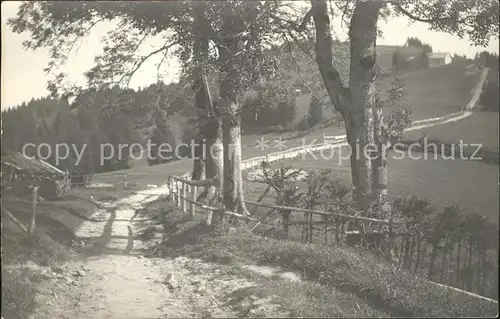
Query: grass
point(337, 281)
point(438, 91)
point(479, 128)
point(19, 285)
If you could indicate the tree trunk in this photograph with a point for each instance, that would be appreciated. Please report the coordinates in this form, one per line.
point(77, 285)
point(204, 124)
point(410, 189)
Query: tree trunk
point(215, 155)
point(202, 96)
point(363, 72)
point(208, 162)
point(351, 139)
point(231, 129)
point(199, 163)
point(432, 261)
point(355, 103)
point(379, 163)
point(233, 180)
point(338, 93)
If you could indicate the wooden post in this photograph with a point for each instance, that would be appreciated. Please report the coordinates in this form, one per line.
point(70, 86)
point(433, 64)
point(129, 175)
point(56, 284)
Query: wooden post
point(33, 215)
point(184, 194)
point(178, 188)
point(181, 200)
point(170, 189)
point(193, 206)
point(207, 200)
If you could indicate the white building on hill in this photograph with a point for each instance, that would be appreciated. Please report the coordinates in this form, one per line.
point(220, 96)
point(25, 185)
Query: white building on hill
point(439, 59)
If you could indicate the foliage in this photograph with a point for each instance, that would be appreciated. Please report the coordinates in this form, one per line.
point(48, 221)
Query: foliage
point(323, 189)
point(479, 22)
point(400, 112)
point(487, 59)
point(303, 124)
point(490, 96)
point(414, 42)
point(270, 106)
point(396, 59)
point(282, 180)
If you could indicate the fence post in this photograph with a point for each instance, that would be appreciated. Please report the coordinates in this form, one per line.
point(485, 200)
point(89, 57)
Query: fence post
point(193, 206)
point(33, 216)
point(172, 189)
point(211, 212)
point(169, 181)
point(184, 194)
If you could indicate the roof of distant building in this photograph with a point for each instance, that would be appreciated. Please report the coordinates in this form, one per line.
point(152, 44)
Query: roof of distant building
point(438, 55)
point(31, 165)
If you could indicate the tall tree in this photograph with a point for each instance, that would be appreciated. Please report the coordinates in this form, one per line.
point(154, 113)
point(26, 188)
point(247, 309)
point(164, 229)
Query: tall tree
point(237, 31)
point(244, 30)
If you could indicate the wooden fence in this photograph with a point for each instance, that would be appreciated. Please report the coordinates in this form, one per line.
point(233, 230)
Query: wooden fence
point(28, 229)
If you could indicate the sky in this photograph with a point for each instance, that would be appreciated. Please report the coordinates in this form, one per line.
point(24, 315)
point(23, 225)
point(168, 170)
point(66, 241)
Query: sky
point(23, 78)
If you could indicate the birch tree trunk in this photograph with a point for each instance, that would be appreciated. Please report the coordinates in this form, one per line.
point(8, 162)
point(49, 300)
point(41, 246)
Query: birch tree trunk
point(231, 129)
point(379, 163)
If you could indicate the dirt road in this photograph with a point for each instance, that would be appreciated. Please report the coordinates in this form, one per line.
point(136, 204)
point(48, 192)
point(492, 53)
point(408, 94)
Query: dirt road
point(116, 281)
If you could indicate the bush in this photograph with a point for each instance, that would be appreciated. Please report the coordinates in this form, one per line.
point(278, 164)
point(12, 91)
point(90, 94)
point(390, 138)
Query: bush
point(315, 111)
point(303, 124)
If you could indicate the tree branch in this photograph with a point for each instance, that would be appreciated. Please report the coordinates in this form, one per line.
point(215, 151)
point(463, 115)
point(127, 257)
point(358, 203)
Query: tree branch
point(144, 58)
point(293, 25)
point(338, 93)
point(414, 17)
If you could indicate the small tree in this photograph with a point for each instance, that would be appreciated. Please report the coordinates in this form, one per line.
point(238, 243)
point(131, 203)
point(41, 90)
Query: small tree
point(282, 181)
point(286, 111)
point(396, 59)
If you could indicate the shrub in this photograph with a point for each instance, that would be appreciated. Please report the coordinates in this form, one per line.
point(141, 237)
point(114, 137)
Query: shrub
point(315, 111)
point(303, 124)
point(490, 98)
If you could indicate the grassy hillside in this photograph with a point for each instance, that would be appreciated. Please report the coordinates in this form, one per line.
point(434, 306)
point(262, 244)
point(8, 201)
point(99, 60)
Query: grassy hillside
point(479, 128)
point(432, 93)
point(438, 91)
point(334, 281)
